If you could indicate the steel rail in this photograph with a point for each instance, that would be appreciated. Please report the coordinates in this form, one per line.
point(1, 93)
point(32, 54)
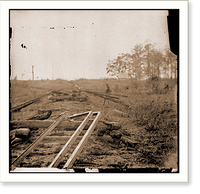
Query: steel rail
point(24, 104)
point(38, 140)
point(67, 146)
point(81, 144)
point(108, 98)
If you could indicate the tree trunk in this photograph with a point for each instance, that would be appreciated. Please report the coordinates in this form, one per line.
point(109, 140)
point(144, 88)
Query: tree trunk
point(158, 70)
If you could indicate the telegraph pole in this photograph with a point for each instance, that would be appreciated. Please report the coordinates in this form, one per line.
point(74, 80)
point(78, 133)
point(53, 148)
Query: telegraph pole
point(32, 72)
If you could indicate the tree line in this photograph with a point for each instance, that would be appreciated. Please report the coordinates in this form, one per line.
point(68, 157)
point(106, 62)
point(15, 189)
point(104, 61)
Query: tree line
point(144, 60)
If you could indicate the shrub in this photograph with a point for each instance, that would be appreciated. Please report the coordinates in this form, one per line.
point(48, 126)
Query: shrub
point(116, 88)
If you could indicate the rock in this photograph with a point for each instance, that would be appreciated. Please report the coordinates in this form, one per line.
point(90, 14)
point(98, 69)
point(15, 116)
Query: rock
point(22, 132)
point(49, 97)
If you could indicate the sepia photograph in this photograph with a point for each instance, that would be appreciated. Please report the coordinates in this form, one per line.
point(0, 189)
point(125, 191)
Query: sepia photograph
point(94, 91)
point(89, 91)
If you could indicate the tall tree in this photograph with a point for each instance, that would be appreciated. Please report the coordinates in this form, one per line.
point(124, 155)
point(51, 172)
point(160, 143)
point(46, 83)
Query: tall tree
point(148, 48)
point(157, 62)
point(171, 62)
point(144, 60)
point(137, 61)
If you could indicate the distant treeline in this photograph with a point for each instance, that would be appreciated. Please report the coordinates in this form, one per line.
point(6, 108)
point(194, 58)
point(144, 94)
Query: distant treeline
point(144, 61)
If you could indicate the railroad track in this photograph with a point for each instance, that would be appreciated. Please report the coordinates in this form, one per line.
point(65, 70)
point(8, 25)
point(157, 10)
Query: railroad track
point(89, 123)
point(29, 102)
point(63, 161)
point(112, 98)
point(56, 165)
point(66, 148)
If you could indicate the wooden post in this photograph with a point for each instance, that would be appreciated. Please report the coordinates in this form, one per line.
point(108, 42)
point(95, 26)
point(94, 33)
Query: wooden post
point(32, 72)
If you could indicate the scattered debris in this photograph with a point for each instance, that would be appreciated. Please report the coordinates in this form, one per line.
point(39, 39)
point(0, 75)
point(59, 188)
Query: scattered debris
point(42, 116)
point(16, 140)
point(102, 95)
point(113, 144)
point(70, 98)
point(67, 146)
point(108, 97)
point(37, 141)
point(61, 93)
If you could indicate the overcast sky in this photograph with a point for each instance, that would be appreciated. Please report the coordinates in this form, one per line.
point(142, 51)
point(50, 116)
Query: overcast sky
point(78, 44)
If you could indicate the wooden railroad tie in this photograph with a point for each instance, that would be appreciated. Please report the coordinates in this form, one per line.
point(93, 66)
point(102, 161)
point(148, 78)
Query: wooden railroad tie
point(66, 147)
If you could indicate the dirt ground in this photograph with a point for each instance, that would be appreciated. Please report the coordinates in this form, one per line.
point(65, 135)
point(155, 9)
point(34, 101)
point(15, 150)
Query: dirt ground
point(147, 116)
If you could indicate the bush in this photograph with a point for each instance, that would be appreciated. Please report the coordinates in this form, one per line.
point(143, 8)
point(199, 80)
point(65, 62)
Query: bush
point(155, 115)
point(116, 88)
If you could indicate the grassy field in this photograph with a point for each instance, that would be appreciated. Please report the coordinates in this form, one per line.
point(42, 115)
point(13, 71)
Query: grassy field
point(151, 118)
point(148, 121)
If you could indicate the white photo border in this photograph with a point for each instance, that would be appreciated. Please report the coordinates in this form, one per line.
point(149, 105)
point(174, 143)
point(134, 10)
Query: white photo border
point(182, 176)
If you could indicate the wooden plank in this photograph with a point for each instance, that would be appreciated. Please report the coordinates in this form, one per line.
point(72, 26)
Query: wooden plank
point(67, 125)
point(80, 146)
point(78, 115)
point(64, 150)
point(38, 140)
point(82, 114)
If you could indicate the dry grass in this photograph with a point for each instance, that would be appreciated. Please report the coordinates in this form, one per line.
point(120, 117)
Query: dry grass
point(150, 120)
